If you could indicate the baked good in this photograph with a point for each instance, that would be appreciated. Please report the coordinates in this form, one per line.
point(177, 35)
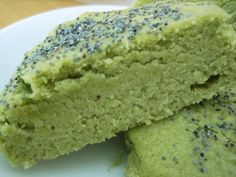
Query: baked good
point(106, 72)
point(199, 141)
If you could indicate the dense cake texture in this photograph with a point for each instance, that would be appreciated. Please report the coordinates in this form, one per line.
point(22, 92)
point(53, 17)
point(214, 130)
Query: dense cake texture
point(106, 72)
point(199, 141)
point(228, 5)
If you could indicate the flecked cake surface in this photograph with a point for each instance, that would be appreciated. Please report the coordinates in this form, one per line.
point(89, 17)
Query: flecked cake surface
point(105, 72)
point(228, 5)
point(198, 141)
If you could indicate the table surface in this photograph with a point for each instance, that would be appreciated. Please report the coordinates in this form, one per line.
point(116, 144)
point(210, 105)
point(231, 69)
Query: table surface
point(14, 10)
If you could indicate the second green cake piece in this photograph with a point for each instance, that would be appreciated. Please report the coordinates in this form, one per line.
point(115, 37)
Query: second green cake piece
point(199, 141)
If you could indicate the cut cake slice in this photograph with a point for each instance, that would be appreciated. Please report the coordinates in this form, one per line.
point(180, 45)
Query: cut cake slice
point(107, 72)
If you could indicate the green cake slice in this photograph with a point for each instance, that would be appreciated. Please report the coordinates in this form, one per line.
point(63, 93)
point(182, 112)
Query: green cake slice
point(199, 141)
point(228, 5)
point(106, 72)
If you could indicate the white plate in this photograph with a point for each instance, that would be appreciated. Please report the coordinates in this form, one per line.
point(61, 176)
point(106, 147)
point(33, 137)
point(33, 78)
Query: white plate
point(15, 40)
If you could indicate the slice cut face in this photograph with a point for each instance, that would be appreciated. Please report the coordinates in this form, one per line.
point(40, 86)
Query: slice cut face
point(199, 141)
point(107, 72)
